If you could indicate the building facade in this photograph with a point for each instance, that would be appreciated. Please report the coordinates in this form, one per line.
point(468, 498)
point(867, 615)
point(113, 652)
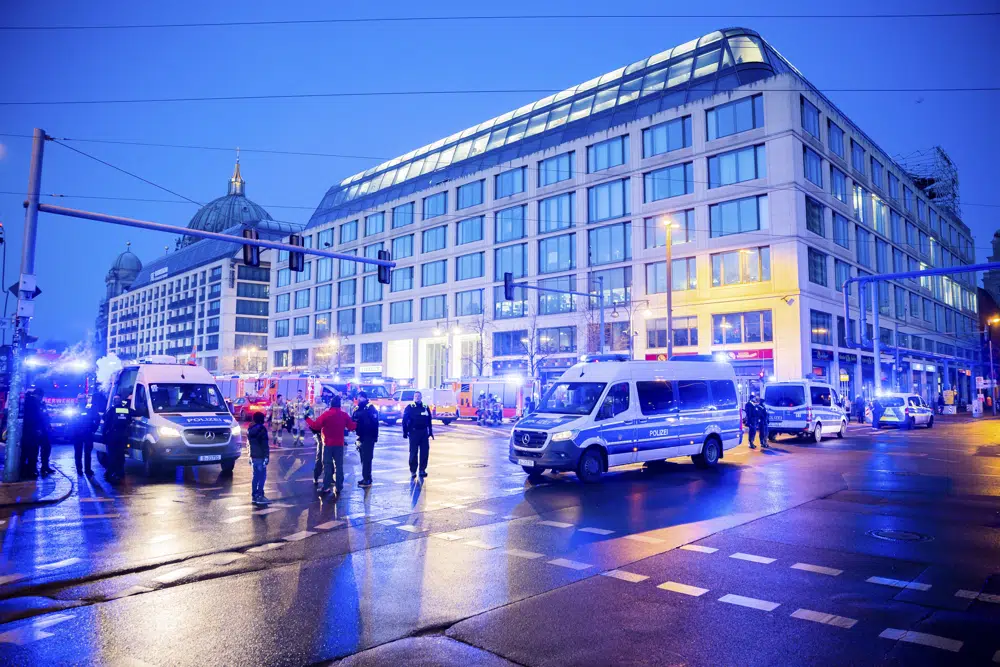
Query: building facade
point(774, 196)
point(118, 280)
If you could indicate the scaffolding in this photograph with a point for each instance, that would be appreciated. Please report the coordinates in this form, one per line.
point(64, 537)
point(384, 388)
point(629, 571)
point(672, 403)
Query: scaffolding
point(936, 175)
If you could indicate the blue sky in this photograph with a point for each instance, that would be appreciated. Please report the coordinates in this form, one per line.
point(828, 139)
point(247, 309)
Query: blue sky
point(73, 255)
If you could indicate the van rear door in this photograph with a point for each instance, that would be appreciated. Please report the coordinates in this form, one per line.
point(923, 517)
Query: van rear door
point(616, 418)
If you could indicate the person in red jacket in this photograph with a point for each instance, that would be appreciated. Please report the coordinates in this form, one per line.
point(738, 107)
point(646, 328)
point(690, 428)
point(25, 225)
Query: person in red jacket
point(333, 423)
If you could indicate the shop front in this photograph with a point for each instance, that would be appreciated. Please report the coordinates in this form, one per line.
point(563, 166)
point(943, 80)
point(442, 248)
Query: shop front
point(821, 365)
point(848, 381)
point(370, 372)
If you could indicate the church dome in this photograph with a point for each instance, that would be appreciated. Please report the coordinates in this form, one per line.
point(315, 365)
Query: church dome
point(232, 210)
point(123, 272)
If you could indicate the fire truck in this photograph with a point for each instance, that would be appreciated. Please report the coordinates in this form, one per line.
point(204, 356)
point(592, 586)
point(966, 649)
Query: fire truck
point(63, 379)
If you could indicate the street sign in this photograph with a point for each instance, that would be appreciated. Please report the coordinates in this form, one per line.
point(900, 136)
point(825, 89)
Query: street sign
point(15, 289)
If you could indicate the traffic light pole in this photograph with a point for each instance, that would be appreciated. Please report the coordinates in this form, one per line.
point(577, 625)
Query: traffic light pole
point(599, 296)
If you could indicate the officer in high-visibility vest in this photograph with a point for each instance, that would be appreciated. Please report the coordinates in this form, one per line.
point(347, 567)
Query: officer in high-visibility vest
point(418, 429)
point(117, 424)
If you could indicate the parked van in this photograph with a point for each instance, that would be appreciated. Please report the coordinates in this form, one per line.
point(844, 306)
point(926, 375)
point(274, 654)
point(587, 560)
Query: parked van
point(904, 410)
point(441, 402)
point(599, 415)
point(179, 417)
point(804, 408)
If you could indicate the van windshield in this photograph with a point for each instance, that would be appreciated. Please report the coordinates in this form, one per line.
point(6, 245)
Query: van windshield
point(571, 398)
point(170, 397)
point(784, 395)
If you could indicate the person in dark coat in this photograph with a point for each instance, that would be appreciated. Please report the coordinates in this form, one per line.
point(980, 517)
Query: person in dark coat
point(117, 424)
point(260, 454)
point(366, 418)
point(762, 416)
point(31, 426)
point(750, 420)
point(44, 433)
point(86, 423)
point(877, 410)
point(418, 429)
point(859, 408)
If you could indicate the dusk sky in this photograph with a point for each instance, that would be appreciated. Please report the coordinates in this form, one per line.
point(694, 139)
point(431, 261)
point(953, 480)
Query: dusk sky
point(74, 255)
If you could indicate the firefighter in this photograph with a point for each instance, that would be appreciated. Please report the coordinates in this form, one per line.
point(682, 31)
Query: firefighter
point(276, 417)
point(418, 428)
point(300, 410)
point(117, 424)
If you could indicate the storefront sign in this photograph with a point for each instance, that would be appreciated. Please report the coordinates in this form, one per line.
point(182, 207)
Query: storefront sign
point(662, 356)
point(917, 367)
point(847, 358)
point(557, 362)
point(371, 368)
point(844, 377)
point(867, 361)
point(749, 355)
point(822, 355)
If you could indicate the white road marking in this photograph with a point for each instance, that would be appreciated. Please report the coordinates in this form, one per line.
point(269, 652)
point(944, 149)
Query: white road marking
point(482, 512)
point(897, 583)
point(96, 500)
point(818, 569)
point(987, 597)
point(520, 553)
point(597, 531)
point(479, 544)
point(684, 589)
point(234, 519)
point(645, 539)
point(753, 603)
point(968, 595)
point(11, 578)
point(982, 597)
point(402, 481)
point(131, 590)
point(359, 515)
point(174, 575)
point(66, 562)
point(826, 619)
point(161, 538)
point(210, 488)
point(408, 528)
point(23, 636)
point(753, 559)
point(630, 577)
point(265, 547)
point(700, 549)
point(265, 512)
point(301, 535)
point(571, 564)
point(923, 639)
point(508, 517)
point(281, 506)
point(233, 508)
point(226, 559)
point(35, 519)
point(451, 537)
point(49, 621)
point(329, 525)
point(99, 516)
point(388, 522)
point(555, 524)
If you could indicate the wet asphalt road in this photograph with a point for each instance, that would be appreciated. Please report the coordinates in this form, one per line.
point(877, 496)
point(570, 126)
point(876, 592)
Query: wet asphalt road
point(877, 549)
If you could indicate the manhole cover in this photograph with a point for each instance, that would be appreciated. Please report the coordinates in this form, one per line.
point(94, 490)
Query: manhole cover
point(475, 465)
point(899, 536)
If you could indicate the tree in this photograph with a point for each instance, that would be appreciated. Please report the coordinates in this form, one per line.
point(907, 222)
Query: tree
point(474, 357)
point(535, 347)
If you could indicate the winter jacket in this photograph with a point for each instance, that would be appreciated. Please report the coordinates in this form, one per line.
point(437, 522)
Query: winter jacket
point(417, 420)
point(257, 437)
point(332, 424)
point(366, 417)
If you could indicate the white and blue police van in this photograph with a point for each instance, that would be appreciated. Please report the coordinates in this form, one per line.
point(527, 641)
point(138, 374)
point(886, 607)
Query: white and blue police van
point(904, 410)
point(179, 417)
point(804, 408)
point(604, 414)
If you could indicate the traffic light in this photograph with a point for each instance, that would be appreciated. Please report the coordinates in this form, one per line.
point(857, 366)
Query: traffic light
point(508, 286)
point(384, 272)
point(296, 260)
point(251, 253)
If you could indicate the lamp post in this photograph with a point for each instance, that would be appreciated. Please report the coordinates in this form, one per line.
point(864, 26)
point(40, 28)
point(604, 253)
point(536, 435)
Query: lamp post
point(993, 376)
point(670, 225)
point(251, 352)
point(335, 345)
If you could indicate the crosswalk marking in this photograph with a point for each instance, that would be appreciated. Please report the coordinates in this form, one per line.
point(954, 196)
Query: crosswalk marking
point(99, 516)
point(265, 512)
point(520, 553)
point(630, 577)
point(160, 538)
point(818, 569)
point(235, 519)
point(700, 549)
point(571, 564)
point(826, 619)
point(482, 512)
point(174, 575)
point(301, 535)
point(96, 500)
point(555, 524)
point(388, 522)
point(408, 528)
point(264, 547)
point(227, 558)
point(922, 638)
point(645, 539)
point(597, 531)
point(11, 578)
point(753, 559)
point(451, 537)
point(898, 583)
point(59, 564)
point(684, 589)
point(329, 525)
point(753, 603)
point(479, 544)
point(982, 597)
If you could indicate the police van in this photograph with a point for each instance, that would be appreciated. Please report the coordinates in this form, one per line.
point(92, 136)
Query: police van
point(600, 415)
point(904, 410)
point(804, 408)
point(179, 417)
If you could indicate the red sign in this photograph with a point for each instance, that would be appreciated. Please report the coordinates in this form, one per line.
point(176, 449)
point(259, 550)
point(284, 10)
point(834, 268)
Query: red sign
point(750, 355)
point(662, 356)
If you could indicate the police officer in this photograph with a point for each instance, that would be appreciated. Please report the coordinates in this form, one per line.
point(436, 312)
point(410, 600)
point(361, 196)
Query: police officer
point(750, 419)
point(366, 418)
point(83, 436)
point(762, 416)
point(418, 428)
point(117, 423)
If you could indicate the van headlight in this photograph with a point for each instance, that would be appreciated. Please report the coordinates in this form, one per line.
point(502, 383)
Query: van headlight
point(564, 435)
point(236, 430)
point(168, 432)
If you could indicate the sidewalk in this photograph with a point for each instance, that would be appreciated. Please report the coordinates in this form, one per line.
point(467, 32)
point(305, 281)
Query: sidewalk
point(41, 491)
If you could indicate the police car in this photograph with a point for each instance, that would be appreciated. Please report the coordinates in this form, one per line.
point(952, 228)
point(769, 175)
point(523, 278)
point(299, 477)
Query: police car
point(600, 415)
point(804, 408)
point(904, 410)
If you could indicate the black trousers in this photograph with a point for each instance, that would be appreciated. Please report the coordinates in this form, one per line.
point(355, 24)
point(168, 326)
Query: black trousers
point(29, 455)
point(45, 446)
point(82, 452)
point(116, 458)
point(367, 451)
point(420, 447)
point(318, 467)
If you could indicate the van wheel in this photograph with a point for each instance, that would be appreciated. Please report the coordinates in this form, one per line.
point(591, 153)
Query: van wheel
point(930, 424)
point(149, 467)
point(590, 467)
point(711, 452)
point(228, 465)
point(445, 421)
point(817, 434)
point(773, 437)
point(843, 430)
point(910, 423)
point(534, 474)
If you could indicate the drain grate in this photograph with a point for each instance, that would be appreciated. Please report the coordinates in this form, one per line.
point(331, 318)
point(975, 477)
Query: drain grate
point(475, 465)
point(890, 535)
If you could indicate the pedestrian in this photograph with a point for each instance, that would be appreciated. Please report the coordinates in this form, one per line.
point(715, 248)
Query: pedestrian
point(762, 417)
point(750, 420)
point(859, 408)
point(940, 403)
point(877, 410)
point(418, 429)
point(44, 434)
point(260, 455)
point(30, 435)
point(333, 424)
point(87, 419)
point(276, 419)
point(318, 409)
point(366, 418)
point(117, 423)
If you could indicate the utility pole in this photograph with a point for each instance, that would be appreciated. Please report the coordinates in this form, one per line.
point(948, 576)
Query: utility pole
point(670, 289)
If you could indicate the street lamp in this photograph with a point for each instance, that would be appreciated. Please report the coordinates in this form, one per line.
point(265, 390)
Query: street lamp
point(993, 376)
point(670, 226)
point(335, 344)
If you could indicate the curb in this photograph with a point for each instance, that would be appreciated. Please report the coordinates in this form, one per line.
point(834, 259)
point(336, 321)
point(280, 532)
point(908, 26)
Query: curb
point(52, 499)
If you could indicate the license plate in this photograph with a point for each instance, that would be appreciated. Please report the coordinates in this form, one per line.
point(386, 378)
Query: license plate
point(775, 418)
point(526, 462)
point(210, 457)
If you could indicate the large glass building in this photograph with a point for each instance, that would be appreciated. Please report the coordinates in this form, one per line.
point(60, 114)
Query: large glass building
point(776, 198)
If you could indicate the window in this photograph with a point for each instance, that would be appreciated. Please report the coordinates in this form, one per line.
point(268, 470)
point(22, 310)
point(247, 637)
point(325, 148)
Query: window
point(810, 117)
point(841, 274)
point(608, 200)
point(305, 275)
point(815, 222)
point(349, 232)
point(616, 401)
point(371, 319)
point(898, 261)
point(324, 269)
point(509, 183)
point(302, 298)
point(740, 215)
point(838, 184)
point(723, 394)
point(434, 273)
point(402, 247)
point(881, 213)
point(503, 309)
point(908, 199)
point(470, 266)
point(402, 215)
point(468, 231)
point(683, 276)
point(749, 265)
point(300, 326)
point(682, 230)
point(400, 312)
point(733, 117)
point(896, 226)
point(324, 297)
point(835, 138)
point(371, 252)
point(607, 154)
point(508, 343)
point(371, 353)
point(510, 259)
point(283, 303)
point(281, 328)
point(817, 267)
point(321, 325)
point(324, 239)
point(374, 224)
point(893, 186)
point(550, 303)
point(609, 244)
point(435, 205)
point(281, 359)
point(878, 173)
point(555, 213)
point(346, 322)
point(401, 279)
point(693, 395)
point(557, 253)
point(347, 266)
point(821, 324)
point(656, 397)
point(555, 340)
point(300, 357)
point(372, 289)
point(860, 205)
point(666, 137)
point(914, 306)
point(668, 182)
point(911, 235)
point(555, 169)
point(617, 284)
point(510, 224)
point(751, 327)
point(470, 194)
point(469, 302)
point(864, 246)
point(812, 165)
point(857, 157)
point(881, 256)
point(284, 277)
point(434, 239)
point(921, 210)
point(900, 302)
point(685, 330)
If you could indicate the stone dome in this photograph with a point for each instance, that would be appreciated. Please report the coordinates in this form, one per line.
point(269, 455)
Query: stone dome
point(232, 210)
point(123, 272)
